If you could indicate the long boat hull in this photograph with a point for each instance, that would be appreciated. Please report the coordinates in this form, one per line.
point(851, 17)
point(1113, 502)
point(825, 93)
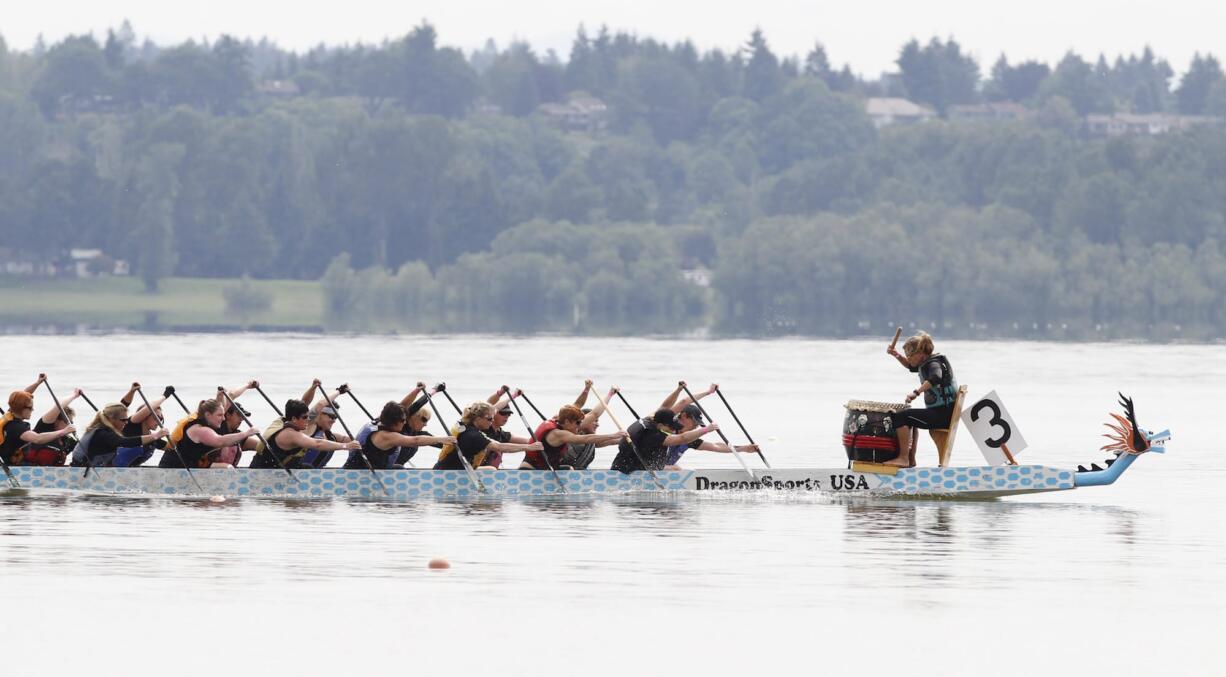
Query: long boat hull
point(967, 482)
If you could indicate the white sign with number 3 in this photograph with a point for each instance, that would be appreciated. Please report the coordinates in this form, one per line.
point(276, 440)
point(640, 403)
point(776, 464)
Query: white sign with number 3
point(994, 430)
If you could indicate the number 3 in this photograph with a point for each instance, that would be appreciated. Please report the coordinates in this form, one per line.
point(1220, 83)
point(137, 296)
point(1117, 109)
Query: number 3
point(995, 421)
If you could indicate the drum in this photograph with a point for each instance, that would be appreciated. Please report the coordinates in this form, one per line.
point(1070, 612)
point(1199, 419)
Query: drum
point(39, 455)
point(867, 432)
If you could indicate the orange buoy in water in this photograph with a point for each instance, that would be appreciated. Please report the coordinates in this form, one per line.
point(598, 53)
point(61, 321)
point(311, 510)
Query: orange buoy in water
point(439, 563)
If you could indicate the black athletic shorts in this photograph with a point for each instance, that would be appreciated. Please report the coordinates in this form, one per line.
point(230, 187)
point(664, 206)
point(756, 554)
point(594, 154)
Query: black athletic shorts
point(935, 417)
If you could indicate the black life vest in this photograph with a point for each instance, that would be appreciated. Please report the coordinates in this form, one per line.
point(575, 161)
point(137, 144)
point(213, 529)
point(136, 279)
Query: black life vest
point(944, 393)
point(380, 459)
point(273, 452)
point(195, 454)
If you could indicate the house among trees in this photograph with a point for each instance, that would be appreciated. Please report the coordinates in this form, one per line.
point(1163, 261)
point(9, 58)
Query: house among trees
point(1150, 124)
point(988, 112)
point(94, 263)
point(75, 263)
point(885, 111)
point(278, 88)
point(580, 114)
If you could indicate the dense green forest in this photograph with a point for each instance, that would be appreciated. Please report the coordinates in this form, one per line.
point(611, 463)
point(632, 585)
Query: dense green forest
point(432, 190)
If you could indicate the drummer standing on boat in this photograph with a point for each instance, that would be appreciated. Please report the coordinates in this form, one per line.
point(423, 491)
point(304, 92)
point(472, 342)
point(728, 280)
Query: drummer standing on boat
point(937, 385)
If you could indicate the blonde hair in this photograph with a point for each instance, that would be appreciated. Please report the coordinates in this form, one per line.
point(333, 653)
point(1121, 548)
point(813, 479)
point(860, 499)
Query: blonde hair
point(104, 416)
point(476, 410)
point(920, 343)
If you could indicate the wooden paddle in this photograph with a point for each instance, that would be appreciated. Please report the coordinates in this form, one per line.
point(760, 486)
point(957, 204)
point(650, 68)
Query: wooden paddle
point(324, 391)
point(722, 436)
point(532, 436)
point(633, 447)
point(897, 333)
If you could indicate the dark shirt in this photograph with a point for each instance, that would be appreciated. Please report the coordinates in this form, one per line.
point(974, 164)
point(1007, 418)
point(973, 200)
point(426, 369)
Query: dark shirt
point(13, 430)
point(650, 444)
point(470, 442)
point(105, 442)
point(379, 458)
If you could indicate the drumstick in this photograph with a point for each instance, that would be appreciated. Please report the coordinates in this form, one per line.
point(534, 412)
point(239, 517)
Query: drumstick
point(897, 333)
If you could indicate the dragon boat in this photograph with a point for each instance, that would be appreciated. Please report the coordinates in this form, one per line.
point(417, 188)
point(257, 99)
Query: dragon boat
point(1128, 442)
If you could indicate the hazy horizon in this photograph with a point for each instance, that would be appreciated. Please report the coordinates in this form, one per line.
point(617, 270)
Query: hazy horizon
point(867, 36)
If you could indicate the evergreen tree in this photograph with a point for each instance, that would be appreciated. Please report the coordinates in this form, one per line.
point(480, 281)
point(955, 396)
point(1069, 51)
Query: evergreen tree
point(1193, 91)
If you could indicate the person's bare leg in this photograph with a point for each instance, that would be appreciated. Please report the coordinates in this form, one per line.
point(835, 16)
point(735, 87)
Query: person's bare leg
point(904, 447)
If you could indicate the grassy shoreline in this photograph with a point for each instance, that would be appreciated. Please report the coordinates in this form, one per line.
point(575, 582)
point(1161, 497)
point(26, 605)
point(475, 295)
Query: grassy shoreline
point(179, 303)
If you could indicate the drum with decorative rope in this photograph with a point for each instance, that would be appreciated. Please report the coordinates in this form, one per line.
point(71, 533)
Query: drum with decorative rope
point(867, 431)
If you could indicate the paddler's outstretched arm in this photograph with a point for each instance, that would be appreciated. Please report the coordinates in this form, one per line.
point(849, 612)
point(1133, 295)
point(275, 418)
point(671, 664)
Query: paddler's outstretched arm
point(582, 398)
point(413, 440)
point(143, 412)
point(687, 401)
point(593, 415)
point(410, 399)
point(721, 448)
point(54, 412)
point(33, 387)
point(687, 437)
point(299, 440)
point(210, 438)
point(672, 398)
point(126, 400)
point(309, 395)
point(238, 392)
point(559, 437)
point(315, 408)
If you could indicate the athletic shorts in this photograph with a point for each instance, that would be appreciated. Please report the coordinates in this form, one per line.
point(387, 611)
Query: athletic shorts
point(928, 419)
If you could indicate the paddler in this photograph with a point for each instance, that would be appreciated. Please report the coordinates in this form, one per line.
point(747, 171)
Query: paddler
point(689, 417)
point(555, 434)
point(288, 443)
point(319, 425)
point(202, 440)
point(383, 445)
point(232, 454)
point(417, 415)
point(937, 385)
point(651, 438)
point(55, 452)
point(142, 422)
point(579, 456)
point(15, 432)
point(472, 441)
point(104, 437)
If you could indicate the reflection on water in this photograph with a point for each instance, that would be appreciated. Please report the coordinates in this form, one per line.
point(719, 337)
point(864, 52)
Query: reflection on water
point(721, 583)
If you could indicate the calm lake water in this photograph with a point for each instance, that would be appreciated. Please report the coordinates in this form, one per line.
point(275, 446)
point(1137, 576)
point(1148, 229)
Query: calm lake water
point(1126, 579)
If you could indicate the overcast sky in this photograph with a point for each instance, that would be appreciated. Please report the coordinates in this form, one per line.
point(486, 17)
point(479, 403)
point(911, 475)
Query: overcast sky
point(865, 33)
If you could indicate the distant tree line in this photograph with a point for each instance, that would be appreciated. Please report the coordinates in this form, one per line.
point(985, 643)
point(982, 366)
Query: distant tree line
point(445, 188)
